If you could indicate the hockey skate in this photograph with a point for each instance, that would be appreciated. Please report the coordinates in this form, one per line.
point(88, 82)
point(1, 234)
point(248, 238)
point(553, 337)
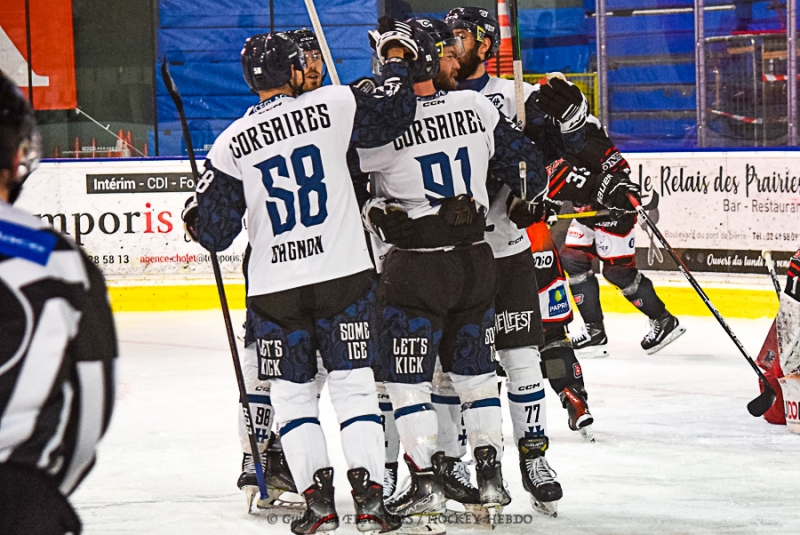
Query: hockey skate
point(491, 488)
point(573, 398)
point(320, 514)
point(537, 476)
point(389, 480)
point(248, 482)
point(592, 342)
point(663, 331)
point(421, 504)
point(279, 479)
point(455, 478)
point(371, 514)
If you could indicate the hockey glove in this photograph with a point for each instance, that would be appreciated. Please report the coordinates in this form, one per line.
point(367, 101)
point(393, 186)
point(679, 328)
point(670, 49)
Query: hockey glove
point(612, 192)
point(564, 102)
point(793, 277)
point(365, 85)
point(392, 33)
point(390, 223)
point(189, 216)
point(524, 213)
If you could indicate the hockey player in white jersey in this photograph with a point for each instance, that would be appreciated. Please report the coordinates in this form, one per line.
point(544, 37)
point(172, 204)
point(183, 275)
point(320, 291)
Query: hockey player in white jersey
point(520, 305)
point(310, 284)
point(438, 282)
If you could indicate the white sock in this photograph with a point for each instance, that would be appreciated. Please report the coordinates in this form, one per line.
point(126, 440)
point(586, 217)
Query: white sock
point(258, 394)
point(355, 400)
point(297, 414)
point(452, 435)
point(416, 420)
point(391, 438)
point(481, 410)
point(525, 391)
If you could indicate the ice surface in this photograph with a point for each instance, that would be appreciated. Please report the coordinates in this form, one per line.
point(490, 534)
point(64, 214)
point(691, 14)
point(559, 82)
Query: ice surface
point(676, 450)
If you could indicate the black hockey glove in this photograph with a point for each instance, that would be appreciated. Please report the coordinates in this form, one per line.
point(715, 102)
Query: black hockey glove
point(564, 102)
point(793, 277)
point(393, 225)
point(612, 191)
point(189, 216)
point(524, 213)
point(365, 85)
point(391, 33)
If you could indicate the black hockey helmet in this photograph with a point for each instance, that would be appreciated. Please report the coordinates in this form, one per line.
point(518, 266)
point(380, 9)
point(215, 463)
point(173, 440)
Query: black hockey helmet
point(305, 39)
point(441, 33)
point(481, 22)
point(17, 131)
point(426, 66)
point(267, 60)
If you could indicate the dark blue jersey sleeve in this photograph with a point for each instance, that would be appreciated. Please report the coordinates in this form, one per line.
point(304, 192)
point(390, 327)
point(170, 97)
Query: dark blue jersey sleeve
point(385, 114)
point(545, 131)
point(221, 206)
point(510, 147)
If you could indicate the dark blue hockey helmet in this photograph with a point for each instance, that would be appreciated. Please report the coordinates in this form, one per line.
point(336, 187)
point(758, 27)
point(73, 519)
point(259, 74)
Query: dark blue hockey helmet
point(308, 43)
point(426, 66)
point(267, 60)
point(441, 33)
point(480, 21)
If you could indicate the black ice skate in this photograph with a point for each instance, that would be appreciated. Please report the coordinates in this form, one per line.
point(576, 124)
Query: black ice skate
point(320, 514)
point(371, 514)
point(389, 480)
point(423, 500)
point(592, 342)
point(248, 482)
point(537, 476)
point(491, 489)
point(663, 331)
point(455, 478)
point(573, 398)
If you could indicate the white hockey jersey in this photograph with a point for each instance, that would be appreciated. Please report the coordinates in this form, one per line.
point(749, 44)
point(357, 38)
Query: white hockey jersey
point(444, 153)
point(503, 235)
point(303, 220)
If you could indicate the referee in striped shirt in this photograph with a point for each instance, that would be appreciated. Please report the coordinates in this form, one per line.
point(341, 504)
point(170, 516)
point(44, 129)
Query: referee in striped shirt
point(57, 349)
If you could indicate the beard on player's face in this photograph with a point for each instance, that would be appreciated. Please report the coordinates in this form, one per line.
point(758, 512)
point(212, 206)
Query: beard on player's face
point(468, 63)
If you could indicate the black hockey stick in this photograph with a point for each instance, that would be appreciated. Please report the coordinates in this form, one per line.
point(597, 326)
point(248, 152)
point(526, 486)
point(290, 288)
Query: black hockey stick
point(767, 255)
point(764, 401)
point(172, 89)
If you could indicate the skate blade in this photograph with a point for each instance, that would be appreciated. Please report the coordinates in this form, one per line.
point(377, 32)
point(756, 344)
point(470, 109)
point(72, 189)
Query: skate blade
point(671, 337)
point(587, 433)
point(282, 499)
point(422, 525)
point(545, 508)
point(593, 352)
point(473, 516)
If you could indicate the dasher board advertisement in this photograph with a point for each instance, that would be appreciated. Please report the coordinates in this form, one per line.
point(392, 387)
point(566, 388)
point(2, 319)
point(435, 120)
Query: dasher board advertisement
point(720, 210)
point(126, 215)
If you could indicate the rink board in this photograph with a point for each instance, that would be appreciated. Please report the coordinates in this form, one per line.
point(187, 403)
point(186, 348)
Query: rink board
point(719, 210)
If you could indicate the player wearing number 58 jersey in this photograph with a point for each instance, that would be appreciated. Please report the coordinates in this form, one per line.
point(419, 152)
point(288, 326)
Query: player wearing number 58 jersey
point(310, 275)
point(438, 282)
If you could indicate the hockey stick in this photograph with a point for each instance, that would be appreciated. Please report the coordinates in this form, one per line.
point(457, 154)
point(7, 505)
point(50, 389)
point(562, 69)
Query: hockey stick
point(764, 401)
point(172, 89)
point(767, 255)
point(323, 43)
point(652, 205)
point(519, 94)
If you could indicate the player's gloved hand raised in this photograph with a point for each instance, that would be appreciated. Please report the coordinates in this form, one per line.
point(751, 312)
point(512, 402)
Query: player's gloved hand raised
point(391, 34)
point(612, 191)
point(562, 101)
point(189, 216)
point(524, 213)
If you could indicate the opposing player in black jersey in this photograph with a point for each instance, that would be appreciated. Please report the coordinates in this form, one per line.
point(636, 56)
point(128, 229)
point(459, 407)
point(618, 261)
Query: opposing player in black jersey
point(310, 284)
point(57, 349)
point(612, 240)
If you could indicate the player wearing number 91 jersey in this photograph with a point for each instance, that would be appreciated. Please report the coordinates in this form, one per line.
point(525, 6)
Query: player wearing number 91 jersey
point(310, 283)
point(438, 282)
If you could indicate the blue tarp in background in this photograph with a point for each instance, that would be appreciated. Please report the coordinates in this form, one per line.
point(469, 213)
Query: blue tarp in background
point(651, 58)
